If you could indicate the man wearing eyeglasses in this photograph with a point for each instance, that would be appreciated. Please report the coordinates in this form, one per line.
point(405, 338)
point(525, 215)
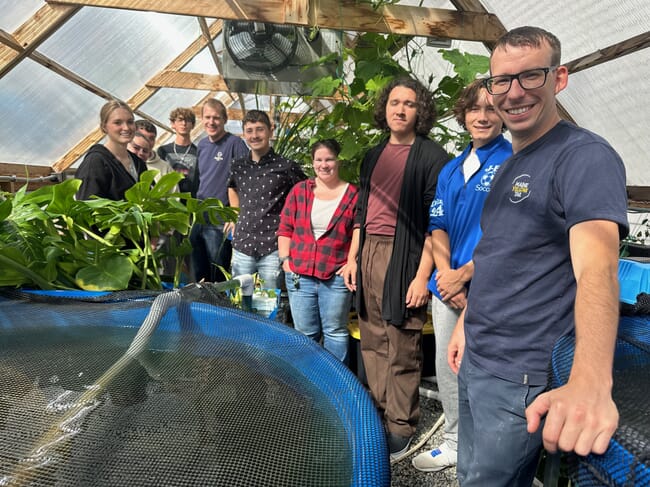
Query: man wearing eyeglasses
point(181, 154)
point(546, 266)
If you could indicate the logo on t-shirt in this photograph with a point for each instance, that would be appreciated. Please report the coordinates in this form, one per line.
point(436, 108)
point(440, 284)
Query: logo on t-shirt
point(486, 179)
point(181, 167)
point(437, 208)
point(520, 188)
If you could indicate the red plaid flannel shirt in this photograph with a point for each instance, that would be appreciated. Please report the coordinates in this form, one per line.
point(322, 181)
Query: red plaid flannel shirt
point(323, 257)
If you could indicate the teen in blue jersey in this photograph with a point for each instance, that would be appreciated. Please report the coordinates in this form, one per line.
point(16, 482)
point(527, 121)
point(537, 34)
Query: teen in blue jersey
point(454, 224)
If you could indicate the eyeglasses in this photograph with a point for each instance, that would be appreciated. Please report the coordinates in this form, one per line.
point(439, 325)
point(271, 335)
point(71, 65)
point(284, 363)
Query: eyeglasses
point(135, 148)
point(528, 80)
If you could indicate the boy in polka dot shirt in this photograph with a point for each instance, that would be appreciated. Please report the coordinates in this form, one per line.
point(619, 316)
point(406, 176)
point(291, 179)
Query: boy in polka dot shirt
point(259, 185)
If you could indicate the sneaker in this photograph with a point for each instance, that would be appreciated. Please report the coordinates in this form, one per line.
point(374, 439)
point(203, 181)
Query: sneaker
point(398, 445)
point(436, 459)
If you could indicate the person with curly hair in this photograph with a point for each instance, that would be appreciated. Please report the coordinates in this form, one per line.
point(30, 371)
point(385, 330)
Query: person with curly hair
point(390, 258)
point(182, 153)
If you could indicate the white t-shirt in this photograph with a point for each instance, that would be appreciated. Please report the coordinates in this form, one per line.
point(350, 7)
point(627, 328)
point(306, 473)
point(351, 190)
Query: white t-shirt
point(322, 212)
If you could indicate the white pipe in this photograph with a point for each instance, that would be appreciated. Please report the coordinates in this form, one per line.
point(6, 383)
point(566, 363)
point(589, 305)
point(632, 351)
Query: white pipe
point(429, 393)
point(247, 284)
point(422, 442)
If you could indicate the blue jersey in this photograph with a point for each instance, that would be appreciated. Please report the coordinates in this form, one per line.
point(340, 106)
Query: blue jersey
point(523, 290)
point(457, 206)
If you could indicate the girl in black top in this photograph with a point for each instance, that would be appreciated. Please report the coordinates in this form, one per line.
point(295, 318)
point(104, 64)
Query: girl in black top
point(108, 170)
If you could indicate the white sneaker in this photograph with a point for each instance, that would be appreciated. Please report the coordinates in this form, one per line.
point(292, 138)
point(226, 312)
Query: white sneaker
point(436, 459)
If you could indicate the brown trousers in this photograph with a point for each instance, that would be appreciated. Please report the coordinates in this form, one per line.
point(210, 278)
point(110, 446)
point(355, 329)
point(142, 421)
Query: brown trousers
point(392, 356)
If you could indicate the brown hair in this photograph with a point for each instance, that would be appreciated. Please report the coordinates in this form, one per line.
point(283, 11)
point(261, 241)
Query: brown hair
point(426, 109)
point(531, 37)
point(330, 144)
point(254, 116)
point(468, 98)
point(146, 125)
point(184, 113)
point(108, 108)
point(216, 105)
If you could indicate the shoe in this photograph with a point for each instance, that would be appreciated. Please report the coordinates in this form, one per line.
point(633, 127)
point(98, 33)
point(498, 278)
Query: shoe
point(398, 445)
point(436, 459)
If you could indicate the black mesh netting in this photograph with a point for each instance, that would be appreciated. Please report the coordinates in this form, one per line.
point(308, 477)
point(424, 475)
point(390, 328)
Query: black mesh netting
point(193, 408)
point(640, 307)
point(627, 461)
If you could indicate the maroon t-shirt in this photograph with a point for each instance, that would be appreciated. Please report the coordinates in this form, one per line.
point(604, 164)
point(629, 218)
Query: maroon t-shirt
point(385, 188)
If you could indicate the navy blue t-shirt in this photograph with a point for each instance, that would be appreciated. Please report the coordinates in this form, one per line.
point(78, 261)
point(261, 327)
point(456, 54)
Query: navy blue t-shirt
point(523, 290)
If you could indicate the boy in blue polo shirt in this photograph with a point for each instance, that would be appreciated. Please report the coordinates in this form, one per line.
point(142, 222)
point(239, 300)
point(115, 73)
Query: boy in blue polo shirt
point(454, 224)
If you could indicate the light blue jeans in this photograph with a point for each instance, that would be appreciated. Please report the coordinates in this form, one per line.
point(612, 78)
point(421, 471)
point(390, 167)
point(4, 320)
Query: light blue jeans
point(321, 308)
point(494, 447)
point(267, 266)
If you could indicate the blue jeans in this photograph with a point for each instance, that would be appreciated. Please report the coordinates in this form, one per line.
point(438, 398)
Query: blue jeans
point(494, 447)
point(267, 266)
point(321, 308)
point(209, 249)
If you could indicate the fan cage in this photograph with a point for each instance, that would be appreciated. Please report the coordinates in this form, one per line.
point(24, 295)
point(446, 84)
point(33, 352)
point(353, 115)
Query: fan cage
point(261, 47)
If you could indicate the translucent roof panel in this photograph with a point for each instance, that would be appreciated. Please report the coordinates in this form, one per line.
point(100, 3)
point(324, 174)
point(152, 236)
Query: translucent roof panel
point(41, 121)
point(14, 14)
point(605, 100)
point(120, 51)
point(123, 50)
point(203, 62)
point(583, 26)
point(609, 98)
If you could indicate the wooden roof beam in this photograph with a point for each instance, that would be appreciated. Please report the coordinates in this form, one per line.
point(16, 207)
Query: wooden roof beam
point(33, 33)
point(614, 51)
point(190, 81)
point(136, 100)
point(346, 15)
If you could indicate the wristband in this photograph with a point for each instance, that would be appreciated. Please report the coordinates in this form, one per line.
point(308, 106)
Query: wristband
point(284, 259)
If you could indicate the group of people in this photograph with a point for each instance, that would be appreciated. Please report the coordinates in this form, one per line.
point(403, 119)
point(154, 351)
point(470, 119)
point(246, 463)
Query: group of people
point(516, 241)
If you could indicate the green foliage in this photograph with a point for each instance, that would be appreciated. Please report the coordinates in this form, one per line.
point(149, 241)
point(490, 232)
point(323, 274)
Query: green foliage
point(350, 118)
point(49, 240)
point(641, 237)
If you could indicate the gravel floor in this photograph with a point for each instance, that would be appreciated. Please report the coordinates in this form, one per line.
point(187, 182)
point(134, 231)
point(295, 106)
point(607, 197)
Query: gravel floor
point(403, 474)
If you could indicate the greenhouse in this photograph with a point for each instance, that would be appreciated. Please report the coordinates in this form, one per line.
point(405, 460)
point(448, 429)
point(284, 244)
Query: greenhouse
point(126, 365)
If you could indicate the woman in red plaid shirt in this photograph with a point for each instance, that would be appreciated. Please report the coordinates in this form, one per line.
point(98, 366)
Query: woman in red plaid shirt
point(314, 238)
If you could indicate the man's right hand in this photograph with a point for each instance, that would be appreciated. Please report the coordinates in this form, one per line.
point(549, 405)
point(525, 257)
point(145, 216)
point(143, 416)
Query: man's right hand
point(450, 282)
point(456, 347)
